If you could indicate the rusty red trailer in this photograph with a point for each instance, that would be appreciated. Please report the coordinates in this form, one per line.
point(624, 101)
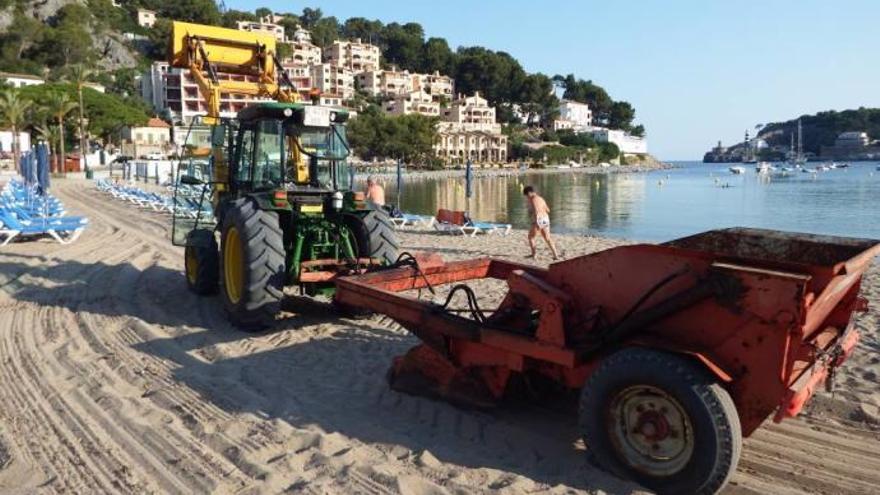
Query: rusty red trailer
point(679, 349)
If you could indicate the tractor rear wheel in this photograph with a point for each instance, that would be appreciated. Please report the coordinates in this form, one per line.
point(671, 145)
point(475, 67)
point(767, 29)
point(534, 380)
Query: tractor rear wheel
point(252, 265)
point(202, 262)
point(661, 420)
point(374, 235)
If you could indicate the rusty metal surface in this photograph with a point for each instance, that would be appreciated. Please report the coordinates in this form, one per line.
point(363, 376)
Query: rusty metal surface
point(755, 307)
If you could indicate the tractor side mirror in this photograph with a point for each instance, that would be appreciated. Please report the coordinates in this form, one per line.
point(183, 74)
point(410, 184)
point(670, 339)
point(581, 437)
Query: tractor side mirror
point(189, 180)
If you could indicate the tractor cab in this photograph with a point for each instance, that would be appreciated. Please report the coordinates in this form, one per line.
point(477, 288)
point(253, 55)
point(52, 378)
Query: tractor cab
point(290, 146)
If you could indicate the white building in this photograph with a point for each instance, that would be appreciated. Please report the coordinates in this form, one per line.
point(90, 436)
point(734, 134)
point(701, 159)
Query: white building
point(333, 80)
point(146, 18)
point(154, 137)
point(300, 35)
point(852, 139)
point(472, 113)
point(412, 102)
point(440, 87)
point(20, 80)
point(628, 144)
point(262, 27)
point(575, 116)
point(385, 82)
point(304, 52)
point(301, 77)
point(355, 56)
point(457, 145)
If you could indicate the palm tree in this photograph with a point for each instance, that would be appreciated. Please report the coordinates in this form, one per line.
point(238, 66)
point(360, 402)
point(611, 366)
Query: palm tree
point(13, 114)
point(79, 75)
point(60, 104)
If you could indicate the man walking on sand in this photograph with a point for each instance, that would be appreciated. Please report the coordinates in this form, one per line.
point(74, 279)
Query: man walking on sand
point(375, 192)
point(539, 214)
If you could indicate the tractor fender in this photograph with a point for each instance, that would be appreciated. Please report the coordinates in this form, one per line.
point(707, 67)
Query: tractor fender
point(709, 362)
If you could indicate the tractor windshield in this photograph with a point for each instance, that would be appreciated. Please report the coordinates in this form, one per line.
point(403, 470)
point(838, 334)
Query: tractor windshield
point(286, 153)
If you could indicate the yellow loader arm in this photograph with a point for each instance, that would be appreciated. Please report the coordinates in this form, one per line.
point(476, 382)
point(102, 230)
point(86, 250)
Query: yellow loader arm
point(207, 51)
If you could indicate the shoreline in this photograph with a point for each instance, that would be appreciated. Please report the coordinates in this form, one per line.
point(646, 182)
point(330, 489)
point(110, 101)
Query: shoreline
point(513, 172)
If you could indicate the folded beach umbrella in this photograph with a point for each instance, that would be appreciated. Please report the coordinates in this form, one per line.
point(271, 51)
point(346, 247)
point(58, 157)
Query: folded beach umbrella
point(399, 181)
point(43, 167)
point(468, 180)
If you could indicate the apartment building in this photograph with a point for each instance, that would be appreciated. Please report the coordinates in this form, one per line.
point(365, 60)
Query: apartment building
point(472, 113)
point(440, 87)
point(332, 80)
point(412, 102)
point(355, 56)
point(626, 143)
point(263, 27)
point(385, 82)
point(304, 52)
point(457, 145)
point(301, 77)
point(173, 91)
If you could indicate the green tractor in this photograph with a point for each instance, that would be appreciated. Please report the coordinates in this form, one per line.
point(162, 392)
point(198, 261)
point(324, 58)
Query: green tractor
point(273, 207)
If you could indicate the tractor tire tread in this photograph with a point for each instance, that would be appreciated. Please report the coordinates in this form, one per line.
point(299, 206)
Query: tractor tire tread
point(263, 246)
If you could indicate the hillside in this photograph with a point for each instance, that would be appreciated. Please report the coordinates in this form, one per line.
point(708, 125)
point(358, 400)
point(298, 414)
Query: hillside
point(42, 36)
point(823, 128)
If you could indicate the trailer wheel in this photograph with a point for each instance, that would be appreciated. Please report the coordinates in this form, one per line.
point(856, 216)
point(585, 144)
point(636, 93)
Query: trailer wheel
point(202, 262)
point(374, 235)
point(661, 420)
point(253, 268)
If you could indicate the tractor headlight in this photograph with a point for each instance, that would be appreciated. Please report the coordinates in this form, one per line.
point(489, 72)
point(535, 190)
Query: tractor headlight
point(288, 112)
point(337, 200)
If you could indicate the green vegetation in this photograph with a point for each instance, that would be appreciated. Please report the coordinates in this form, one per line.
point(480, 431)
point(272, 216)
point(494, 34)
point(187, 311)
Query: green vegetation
point(823, 128)
point(106, 113)
point(409, 137)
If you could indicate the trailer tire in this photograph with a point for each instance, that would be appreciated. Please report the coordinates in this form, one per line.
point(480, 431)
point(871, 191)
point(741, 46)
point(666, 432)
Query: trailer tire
point(253, 266)
point(374, 235)
point(661, 420)
point(201, 262)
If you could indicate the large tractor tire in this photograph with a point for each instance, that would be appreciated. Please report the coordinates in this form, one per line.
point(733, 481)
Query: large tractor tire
point(252, 265)
point(661, 420)
point(374, 235)
point(202, 262)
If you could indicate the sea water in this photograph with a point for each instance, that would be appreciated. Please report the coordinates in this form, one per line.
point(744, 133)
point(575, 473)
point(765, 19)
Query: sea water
point(666, 204)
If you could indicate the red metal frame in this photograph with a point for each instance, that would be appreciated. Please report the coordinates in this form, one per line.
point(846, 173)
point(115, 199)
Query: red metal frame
point(766, 312)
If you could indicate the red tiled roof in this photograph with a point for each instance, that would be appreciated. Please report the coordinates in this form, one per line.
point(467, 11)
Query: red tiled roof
point(154, 122)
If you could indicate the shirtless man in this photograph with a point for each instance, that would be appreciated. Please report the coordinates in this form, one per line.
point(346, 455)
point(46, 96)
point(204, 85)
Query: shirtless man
point(375, 192)
point(539, 213)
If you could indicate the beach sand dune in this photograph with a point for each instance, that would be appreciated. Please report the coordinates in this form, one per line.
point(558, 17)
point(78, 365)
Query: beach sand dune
point(117, 379)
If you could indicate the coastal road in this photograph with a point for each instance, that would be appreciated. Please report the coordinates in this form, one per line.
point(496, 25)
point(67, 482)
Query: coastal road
point(117, 379)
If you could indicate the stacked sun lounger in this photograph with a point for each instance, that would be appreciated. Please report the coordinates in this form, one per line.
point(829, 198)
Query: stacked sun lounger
point(458, 222)
point(186, 203)
point(26, 212)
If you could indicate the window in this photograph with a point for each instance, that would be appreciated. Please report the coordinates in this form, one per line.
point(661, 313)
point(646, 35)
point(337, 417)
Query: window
point(245, 155)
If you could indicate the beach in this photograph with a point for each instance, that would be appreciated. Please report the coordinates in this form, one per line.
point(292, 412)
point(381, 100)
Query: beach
point(118, 379)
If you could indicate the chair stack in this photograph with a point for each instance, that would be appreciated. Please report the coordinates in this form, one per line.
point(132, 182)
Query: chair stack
point(28, 212)
point(186, 203)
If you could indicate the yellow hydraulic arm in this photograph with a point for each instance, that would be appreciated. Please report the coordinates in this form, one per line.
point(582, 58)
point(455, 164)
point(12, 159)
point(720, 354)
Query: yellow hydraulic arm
point(207, 51)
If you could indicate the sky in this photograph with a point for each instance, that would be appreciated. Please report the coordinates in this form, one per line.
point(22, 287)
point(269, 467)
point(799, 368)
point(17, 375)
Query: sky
point(696, 71)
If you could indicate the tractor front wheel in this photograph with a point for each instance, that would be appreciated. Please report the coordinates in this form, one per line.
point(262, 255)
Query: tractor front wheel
point(252, 265)
point(661, 420)
point(202, 262)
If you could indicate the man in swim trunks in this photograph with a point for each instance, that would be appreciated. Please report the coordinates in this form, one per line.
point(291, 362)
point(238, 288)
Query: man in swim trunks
point(539, 213)
point(375, 192)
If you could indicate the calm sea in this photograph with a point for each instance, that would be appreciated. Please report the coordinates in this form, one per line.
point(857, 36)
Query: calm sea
point(667, 204)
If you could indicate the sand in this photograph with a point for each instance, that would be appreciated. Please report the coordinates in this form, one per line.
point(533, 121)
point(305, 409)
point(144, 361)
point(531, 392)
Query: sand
point(117, 379)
